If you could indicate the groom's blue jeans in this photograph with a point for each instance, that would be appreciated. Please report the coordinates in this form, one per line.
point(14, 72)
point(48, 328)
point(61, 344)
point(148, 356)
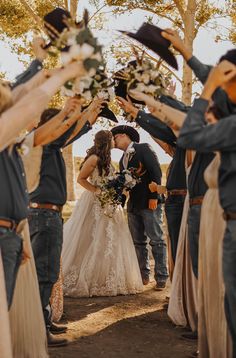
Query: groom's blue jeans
point(144, 224)
point(46, 233)
point(229, 274)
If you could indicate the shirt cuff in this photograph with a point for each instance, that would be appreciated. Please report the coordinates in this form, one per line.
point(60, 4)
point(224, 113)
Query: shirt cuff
point(200, 104)
point(193, 61)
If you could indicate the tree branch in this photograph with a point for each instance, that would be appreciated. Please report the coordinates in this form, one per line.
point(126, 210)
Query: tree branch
point(32, 13)
point(180, 9)
point(96, 12)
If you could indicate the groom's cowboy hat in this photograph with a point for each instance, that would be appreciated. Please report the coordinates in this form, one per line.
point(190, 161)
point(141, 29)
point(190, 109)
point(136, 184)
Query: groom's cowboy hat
point(150, 36)
point(128, 130)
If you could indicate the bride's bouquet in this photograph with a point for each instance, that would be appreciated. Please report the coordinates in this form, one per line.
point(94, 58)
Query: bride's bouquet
point(113, 187)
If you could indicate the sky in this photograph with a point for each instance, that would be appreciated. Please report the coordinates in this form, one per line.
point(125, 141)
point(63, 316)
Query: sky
point(205, 48)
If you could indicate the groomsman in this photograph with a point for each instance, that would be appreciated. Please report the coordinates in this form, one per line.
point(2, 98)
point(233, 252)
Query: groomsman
point(144, 207)
point(196, 134)
point(45, 220)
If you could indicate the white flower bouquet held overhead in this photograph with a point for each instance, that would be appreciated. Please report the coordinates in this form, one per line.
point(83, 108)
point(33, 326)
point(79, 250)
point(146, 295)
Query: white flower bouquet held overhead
point(77, 43)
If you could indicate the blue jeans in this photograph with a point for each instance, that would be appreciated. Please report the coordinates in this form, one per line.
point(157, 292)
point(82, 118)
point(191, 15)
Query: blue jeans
point(46, 232)
point(194, 216)
point(144, 224)
point(11, 251)
point(174, 209)
point(229, 274)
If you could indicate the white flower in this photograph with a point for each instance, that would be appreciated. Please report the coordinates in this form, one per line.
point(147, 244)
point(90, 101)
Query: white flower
point(65, 58)
point(97, 56)
point(128, 178)
point(131, 150)
point(92, 72)
point(75, 52)
point(24, 149)
point(67, 92)
point(151, 88)
point(145, 78)
point(140, 87)
point(86, 50)
point(87, 95)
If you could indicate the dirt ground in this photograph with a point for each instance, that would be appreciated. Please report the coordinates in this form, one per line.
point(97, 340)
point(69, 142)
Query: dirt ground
point(122, 326)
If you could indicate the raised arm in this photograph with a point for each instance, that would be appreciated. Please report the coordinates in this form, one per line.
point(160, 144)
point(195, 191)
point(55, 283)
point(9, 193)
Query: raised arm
point(26, 111)
point(86, 170)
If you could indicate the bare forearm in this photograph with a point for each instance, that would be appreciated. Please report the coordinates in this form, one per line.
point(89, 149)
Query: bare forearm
point(88, 186)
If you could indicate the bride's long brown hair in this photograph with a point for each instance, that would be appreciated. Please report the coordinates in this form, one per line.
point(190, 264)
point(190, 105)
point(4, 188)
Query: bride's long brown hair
point(102, 149)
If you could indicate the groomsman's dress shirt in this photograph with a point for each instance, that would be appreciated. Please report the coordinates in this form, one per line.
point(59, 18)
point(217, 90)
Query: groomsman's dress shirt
point(196, 134)
point(52, 177)
point(127, 155)
point(177, 176)
point(13, 190)
point(33, 68)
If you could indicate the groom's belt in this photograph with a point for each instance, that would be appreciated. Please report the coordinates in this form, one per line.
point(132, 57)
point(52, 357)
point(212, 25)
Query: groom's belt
point(182, 192)
point(46, 206)
point(196, 201)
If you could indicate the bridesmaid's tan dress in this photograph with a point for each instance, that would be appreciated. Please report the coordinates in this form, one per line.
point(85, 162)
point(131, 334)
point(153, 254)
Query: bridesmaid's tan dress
point(5, 338)
point(214, 338)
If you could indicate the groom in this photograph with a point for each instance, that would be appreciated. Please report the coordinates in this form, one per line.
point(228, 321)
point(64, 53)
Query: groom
point(144, 207)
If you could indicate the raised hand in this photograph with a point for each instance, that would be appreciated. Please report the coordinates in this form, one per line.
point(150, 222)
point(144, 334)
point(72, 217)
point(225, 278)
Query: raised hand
point(218, 77)
point(127, 106)
point(38, 44)
point(177, 42)
point(72, 105)
point(150, 102)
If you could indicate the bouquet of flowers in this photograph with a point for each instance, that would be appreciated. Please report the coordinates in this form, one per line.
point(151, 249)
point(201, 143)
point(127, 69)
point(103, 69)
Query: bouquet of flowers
point(77, 43)
point(112, 189)
point(144, 76)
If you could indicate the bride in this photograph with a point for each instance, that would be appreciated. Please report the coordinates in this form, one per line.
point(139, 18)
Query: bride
point(98, 256)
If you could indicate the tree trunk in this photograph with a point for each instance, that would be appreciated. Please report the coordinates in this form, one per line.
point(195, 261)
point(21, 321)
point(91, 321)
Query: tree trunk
point(69, 160)
point(189, 35)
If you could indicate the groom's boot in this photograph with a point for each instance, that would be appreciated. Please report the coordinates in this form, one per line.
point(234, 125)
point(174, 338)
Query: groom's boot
point(55, 341)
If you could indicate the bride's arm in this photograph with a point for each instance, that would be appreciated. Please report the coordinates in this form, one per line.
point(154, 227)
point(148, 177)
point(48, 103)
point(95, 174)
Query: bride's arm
point(86, 170)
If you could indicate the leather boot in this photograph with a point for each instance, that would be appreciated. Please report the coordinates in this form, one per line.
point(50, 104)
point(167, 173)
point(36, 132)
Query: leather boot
point(54, 329)
point(55, 342)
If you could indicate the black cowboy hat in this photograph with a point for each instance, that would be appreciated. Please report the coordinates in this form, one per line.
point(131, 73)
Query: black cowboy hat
point(128, 130)
point(55, 19)
point(150, 36)
point(107, 113)
point(120, 86)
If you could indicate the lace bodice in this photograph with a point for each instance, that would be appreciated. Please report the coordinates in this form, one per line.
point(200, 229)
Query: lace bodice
point(211, 173)
point(96, 179)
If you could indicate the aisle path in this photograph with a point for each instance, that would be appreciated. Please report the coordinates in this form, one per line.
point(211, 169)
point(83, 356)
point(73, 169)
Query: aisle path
point(123, 326)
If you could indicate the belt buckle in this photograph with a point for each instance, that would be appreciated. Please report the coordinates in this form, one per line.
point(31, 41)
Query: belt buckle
point(34, 205)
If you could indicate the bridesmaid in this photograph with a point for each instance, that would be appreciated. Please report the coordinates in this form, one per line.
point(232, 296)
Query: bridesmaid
point(5, 338)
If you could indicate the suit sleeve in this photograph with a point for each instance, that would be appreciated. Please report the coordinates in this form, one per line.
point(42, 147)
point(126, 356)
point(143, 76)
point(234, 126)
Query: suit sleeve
point(156, 128)
point(151, 163)
point(33, 68)
point(85, 129)
point(174, 103)
point(196, 134)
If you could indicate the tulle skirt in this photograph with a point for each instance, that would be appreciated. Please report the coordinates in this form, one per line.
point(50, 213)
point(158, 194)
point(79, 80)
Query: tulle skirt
point(98, 256)
point(26, 316)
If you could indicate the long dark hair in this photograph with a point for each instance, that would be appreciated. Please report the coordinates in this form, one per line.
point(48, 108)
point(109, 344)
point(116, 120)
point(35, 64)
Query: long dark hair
point(102, 149)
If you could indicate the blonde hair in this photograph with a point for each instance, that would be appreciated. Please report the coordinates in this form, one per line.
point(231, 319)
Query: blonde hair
point(5, 96)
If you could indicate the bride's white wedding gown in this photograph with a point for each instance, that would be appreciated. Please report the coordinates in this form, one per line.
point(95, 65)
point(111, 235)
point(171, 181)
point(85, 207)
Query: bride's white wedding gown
point(98, 256)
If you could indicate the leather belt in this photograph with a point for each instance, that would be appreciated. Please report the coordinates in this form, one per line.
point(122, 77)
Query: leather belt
point(228, 215)
point(46, 206)
point(8, 224)
point(177, 192)
point(196, 201)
